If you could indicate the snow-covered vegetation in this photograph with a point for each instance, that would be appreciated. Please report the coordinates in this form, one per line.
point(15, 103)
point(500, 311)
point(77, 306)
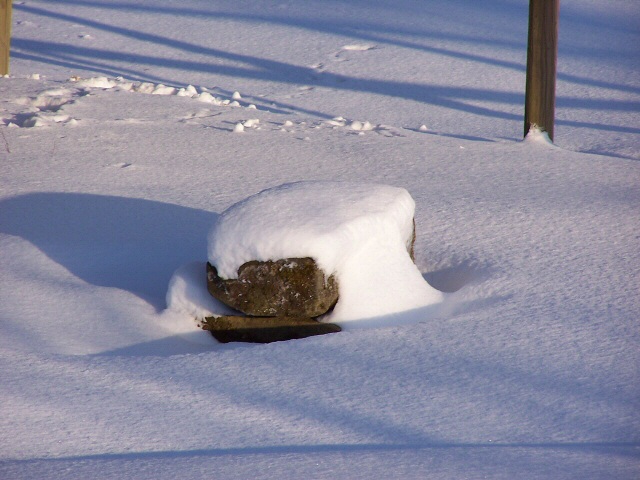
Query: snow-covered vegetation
point(128, 130)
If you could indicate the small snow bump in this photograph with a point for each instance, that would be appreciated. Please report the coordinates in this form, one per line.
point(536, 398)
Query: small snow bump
point(97, 82)
point(423, 128)
point(60, 118)
point(288, 123)
point(234, 104)
point(163, 90)
point(356, 125)
point(236, 96)
point(55, 92)
point(121, 165)
point(252, 122)
point(126, 86)
point(252, 107)
point(239, 128)
point(34, 76)
point(145, 87)
point(206, 97)
point(539, 136)
point(358, 47)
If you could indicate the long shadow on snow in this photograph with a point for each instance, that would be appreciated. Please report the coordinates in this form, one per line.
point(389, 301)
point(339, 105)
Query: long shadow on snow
point(454, 98)
point(126, 243)
point(377, 33)
point(271, 70)
point(626, 448)
point(574, 19)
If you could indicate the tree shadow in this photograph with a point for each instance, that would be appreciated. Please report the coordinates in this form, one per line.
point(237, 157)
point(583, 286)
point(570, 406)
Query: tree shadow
point(251, 67)
point(607, 448)
point(126, 243)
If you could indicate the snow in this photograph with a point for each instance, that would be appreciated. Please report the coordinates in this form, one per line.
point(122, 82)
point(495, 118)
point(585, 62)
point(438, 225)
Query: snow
point(327, 221)
point(528, 367)
point(356, 231)
point(187, 294)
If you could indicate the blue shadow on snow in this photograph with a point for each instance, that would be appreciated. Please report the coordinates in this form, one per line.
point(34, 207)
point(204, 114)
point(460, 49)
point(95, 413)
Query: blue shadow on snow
point(127, 243)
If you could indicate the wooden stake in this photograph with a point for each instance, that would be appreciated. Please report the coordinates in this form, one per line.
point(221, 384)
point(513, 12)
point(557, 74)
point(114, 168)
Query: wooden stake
point(5, 35)
point(542, 54)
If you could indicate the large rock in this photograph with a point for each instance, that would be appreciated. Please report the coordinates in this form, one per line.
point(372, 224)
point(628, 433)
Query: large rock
point(227, 329)
point(287, 287)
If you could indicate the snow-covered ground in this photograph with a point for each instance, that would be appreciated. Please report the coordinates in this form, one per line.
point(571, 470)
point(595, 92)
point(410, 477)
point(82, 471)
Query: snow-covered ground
point(530, 370)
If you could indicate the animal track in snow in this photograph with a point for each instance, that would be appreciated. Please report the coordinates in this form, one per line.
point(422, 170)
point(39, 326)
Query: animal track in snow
point(47, 109)
point(338, 56)
point(359, 127)
point(41, 110)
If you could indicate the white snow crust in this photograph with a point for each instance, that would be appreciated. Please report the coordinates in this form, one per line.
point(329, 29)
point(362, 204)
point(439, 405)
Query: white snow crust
point(359, 232)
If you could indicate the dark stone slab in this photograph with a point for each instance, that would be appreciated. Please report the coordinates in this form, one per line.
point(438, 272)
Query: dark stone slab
point(227, 329)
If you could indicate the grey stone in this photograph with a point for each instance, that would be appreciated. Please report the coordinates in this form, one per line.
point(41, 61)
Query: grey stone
point(287, 287)
point(265, 329)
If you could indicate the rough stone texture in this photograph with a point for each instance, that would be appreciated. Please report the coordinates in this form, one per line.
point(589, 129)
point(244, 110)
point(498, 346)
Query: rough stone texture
point(287, 287)
point(227, 329)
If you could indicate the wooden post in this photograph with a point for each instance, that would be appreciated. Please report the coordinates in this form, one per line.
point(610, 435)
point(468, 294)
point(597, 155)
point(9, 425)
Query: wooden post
point(542, 54)
point(5, 35)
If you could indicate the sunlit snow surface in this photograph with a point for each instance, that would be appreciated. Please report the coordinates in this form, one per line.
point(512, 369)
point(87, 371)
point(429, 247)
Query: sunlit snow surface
point(109, 187)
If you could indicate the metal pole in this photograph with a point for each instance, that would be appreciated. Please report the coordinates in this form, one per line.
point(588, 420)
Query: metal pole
point(542, 54)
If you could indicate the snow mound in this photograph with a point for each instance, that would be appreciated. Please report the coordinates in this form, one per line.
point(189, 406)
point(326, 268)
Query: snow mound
point(187, 293)
point(97, 82)
point(359, 232)
point(538, 136)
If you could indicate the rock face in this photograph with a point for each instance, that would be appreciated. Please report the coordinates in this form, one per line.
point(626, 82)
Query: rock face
point(412, 243)
point(291, 287)
point(227, 329)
